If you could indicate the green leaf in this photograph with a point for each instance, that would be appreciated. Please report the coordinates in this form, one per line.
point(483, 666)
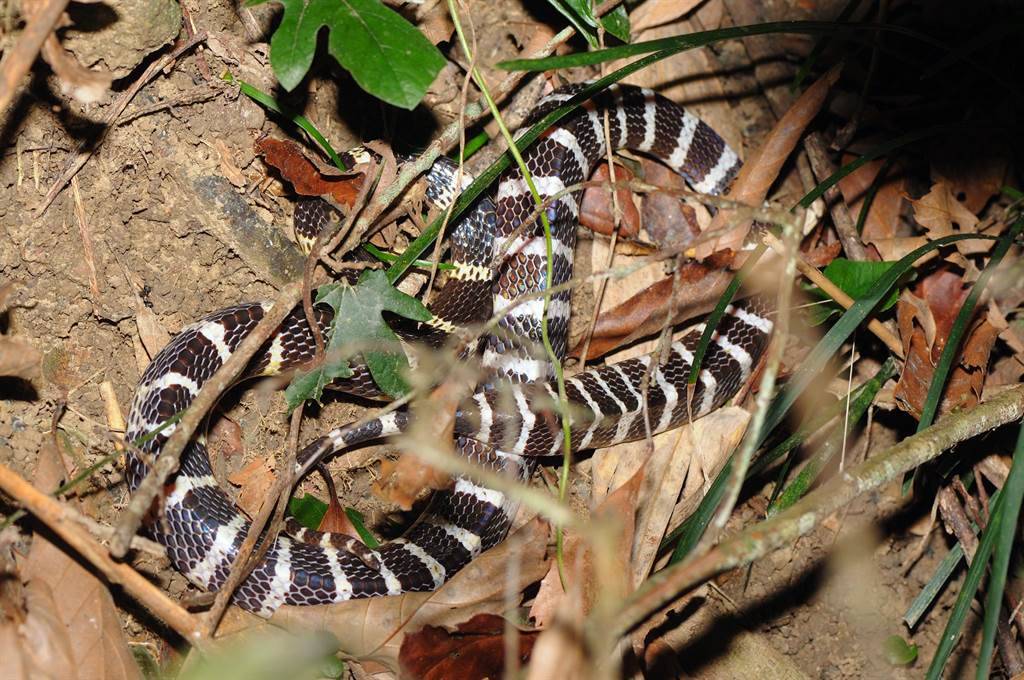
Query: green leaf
point(616, 22)
point(308, 510)
point(358, 325)
point(386, 55)
point(854, 278)
point(311, 384)
point(898, 652)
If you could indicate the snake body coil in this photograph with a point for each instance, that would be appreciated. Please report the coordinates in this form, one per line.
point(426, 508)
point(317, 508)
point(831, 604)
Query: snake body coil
point(508, 422)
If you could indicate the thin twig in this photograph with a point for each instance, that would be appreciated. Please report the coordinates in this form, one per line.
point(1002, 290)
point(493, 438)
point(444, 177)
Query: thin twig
point(824, 168)
point(801, 518)
point(55, 516)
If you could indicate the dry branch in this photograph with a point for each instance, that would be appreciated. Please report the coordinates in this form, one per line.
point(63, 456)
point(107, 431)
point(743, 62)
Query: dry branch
point(19, 60)
point(53, 514)
point(800, 519)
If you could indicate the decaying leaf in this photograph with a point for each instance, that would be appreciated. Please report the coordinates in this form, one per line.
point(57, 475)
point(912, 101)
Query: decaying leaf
point(924, 322)
point(374, 628)
point(941, 214)
point(72, 622)
point(18, 359)
point(596, 210)
point(255, 480)
point(307, 177)
point(883, 216)
point(474, 650)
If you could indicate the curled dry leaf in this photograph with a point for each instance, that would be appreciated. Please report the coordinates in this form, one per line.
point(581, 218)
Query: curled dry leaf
point(597, 212)
point(374, 628)
point(473, 651)
point(307, 177)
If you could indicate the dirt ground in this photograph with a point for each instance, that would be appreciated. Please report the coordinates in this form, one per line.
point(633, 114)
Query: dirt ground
point(128, 241)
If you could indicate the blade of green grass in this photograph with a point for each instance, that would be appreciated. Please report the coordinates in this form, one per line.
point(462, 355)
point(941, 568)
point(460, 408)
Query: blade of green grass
point(1005, 533)
point(934, 586)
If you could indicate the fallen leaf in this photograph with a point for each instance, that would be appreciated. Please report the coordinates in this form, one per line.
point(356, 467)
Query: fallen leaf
point(657, 12)
point(374, 628)
point(474, 651)
point(74, 611)
point(883, 216)
point(307, 177)
point(18, 359)
point(597, 212)
point(228, 168)
point(594, 571)
point(974, 166)
point(225, 439)
point(924, 322)
point(668, 219)
point(941, 214)
point(152, 333)
point(254, 480)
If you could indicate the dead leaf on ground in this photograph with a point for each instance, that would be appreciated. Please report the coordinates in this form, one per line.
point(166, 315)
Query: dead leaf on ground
point(307, 177)
point(152, 333)
point(473, 651)
point(594, 571)
point(72, 629)
point(374, 628)
point(941, 214)
point(18, 359)
point(925, 321)
point(974, 168)
point(657, 12)
point(883, 216)
point(668, 219)
point(254, 480)
point(596, 210)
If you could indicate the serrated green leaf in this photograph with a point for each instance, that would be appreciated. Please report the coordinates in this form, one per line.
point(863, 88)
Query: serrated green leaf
point(311, 384)
point(854, 278)
point(386, 55)
point(898, 652)
point(616, 22)
point(308, 510)
point(358, 324)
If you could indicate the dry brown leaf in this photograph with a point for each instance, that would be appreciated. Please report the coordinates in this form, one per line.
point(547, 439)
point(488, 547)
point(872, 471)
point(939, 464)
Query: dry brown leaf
point(669, 220)
point(941, 214)
point(924, 322)
point(374, 628)
point(474, 651)
point(974, 168)
point(152, 333)
point(225, 439)
point(228, 168)
point(657, 12)
point(18, 359)
point(254, 480)
point(597, 212)
point(892, 249)
point(592, 574)
point(884, 214)
point(307, 177)
point(70, 603)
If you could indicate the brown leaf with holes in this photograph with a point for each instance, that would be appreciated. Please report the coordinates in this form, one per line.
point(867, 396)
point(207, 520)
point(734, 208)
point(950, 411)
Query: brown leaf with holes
point(254, 480)
point(374, 628)
point(473, 651)
point(308, 177)
point(925, 320)
point(597, 212)
point(974, 166)
point(941, 214)
point(77, 628)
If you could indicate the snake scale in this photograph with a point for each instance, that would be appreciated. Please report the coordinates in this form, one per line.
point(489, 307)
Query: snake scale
point(509, 420)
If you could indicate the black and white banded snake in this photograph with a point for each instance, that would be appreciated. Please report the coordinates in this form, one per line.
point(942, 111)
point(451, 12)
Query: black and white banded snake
point(202, 528)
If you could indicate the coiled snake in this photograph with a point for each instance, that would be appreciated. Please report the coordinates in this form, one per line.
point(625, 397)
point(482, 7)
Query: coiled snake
point(201, 527)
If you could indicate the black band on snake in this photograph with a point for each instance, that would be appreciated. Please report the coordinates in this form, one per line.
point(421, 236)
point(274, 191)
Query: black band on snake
point(507, 423)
